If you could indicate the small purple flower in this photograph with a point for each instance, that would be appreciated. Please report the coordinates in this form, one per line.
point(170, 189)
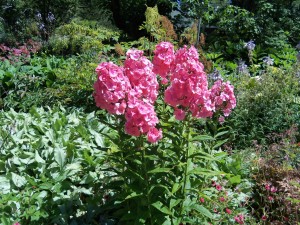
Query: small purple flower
point(242, 68)
point(50, 17)
point(250, 45)
point(268, 61)
point(215, 75)
point(38, 16)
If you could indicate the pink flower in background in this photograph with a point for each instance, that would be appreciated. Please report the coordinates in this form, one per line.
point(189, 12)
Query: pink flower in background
point(16, 223)
point(228, 211)
point(239, 219)
point(264, 217)
point(111, 88)
point(273, 189)
point(219, 187)
point(222, 199)
point(202, 200)
point(222, 96)
point(163, 59)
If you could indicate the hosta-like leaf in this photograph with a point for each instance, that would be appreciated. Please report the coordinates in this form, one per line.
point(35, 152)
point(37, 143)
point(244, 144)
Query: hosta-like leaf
point(60, 156)
point(18, 180)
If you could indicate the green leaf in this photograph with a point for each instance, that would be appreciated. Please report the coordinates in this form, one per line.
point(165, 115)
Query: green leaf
point(221, 133)
point(160, 170)
point(202, 138)
point(38, 158)
point(158, 205)
point(18, 180)
point(219, 143)
point(176, 187)
point(206, 172)
point(235, 180)
point(174, 202)
point(133, 195)
point(204, 211)
point(60, 156)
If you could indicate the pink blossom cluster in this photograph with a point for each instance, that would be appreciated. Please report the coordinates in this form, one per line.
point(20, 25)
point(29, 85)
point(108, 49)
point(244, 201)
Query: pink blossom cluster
point(139, 71)
point(131, 91)
point(188, 90)
point(164, 57)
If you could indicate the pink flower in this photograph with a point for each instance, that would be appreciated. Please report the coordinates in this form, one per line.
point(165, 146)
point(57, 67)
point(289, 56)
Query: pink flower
point(222, 96)
point(111, 88)
point(218, 187)
point(264, 217)
point(163, 59)
point(154, 135)
point(17, 223)
point(228, 211)
point(270, 198)
point(267, 186)
point(202, 200)
point(222, 199)
point(221, 119)
point(140, 119)
point(239, 219)
point(273, 189)
point(138, 70)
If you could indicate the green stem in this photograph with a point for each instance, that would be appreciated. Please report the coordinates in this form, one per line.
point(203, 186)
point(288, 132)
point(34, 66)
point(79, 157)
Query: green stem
point(147, 184)
point(186, 147)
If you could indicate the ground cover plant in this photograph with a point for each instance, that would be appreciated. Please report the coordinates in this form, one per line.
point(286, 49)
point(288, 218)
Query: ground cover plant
point(118, 114)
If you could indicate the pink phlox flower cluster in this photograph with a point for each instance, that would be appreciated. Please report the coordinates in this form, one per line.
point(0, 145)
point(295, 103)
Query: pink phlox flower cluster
point(140, 117)
point(139, 71)
point(188, 89)
point(130, 90)
point(222, 95)
point(111, 88)
point(163, 60)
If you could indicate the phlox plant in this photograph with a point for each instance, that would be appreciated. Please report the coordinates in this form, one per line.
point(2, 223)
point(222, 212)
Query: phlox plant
point(159, 160)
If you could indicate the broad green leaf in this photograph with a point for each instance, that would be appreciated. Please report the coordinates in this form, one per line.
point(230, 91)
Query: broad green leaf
point(158, 205)
point(18, 180)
